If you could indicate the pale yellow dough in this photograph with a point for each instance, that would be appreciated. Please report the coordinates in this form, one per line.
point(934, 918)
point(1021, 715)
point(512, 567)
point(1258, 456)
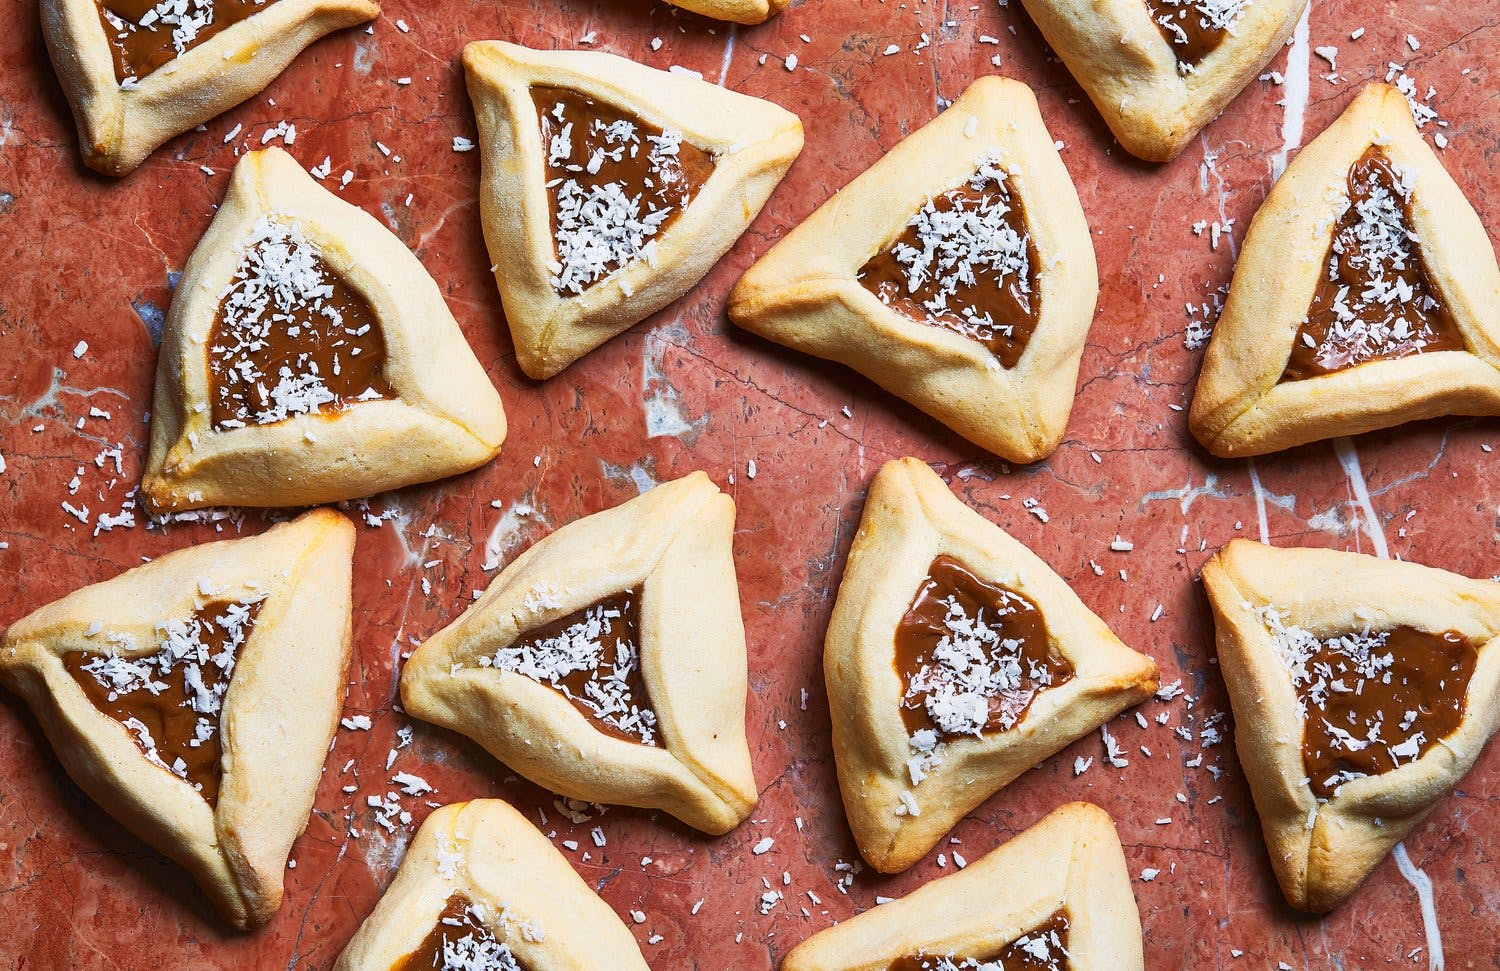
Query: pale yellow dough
point(910, 518)
point(754, 142)
point(118, 126)
point(1241, 406)
point(1322, 851)
point(1070, 861)
point(487, 852)
point(278, 719)
point(805, 293)
point(674, 544)
point(1130, 71)
point(446, 417)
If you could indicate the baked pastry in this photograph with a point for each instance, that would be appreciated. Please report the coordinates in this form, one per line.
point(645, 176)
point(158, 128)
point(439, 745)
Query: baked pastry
point(956, 273)
point(482, 888)
point(607, 663)
point(1366, 295)
point(738, 11)
point(139, 73)
point(309, 358)
point(609, 189)
point(195, 698)
point(1363, 690)
point(1159, 70)
point(1057, 897)
point(955, 661)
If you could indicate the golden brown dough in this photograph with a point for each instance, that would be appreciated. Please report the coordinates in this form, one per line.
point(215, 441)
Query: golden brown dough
point(1242, 406)
point(278, 715)
point(910, 519)
point(806, 292)
point(1320, 849)
point(1071, 862)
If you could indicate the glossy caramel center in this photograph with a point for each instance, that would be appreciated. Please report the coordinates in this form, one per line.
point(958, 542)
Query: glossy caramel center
point(971, 655)
point(593, 657)
point(291, 336)
point(461, 940)
point(1374, 300)
point(170, 702)
point(1195, 28)
point(614, 181)
point(145, 34)
point(965, 263)
point(1375, 700)
point(1044, 948)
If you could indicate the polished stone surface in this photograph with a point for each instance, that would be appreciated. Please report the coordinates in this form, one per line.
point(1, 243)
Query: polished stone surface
point(92, 260)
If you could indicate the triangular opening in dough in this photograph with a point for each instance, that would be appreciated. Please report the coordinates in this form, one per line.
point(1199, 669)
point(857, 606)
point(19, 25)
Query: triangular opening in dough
point(1363, 689)
point(607, 663)
point(1159, 70)
point(308, 357)
point(137, 76)
point(1056, 896)
point(956, 272)
point(1365, 296)
point(480, 881)
point(609, 189)
point(955, 661)
point(181, 692)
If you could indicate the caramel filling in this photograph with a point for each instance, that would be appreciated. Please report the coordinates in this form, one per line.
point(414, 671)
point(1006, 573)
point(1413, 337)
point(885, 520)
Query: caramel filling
point(170, 702)
point(1372, 701)
point(460, 941)
point(1195, 28)
point(593, 657)
point(291, 337)
point(145, 34)
point(1044, 948)
point(1375, 300)
point(615, 183)
point(971, 655)
point(965, 263)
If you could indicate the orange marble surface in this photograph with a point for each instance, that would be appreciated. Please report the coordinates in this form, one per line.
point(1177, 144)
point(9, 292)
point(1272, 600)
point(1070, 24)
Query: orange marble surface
point(90, 261)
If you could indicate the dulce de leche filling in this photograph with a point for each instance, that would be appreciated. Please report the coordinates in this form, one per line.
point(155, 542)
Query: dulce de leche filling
point(170, 702)
point(1372, 700)
point(1044, 948)
point(971, 655)
point(145, 34)
point(1374, 300)
point(1195, 28)
point(593, 658)
point(615, 183)
point(291, 336)
point(460, 941)
point(965, 263)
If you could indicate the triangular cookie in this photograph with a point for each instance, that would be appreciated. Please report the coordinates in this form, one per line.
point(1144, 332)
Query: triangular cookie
point(955, 661)
point(1057, 897)
point(1366, 295)
point(609, 189)
point(956, 273)
point(480, 883)
point(607, 662)
point(133, 87)
point(309, 358)
point(1363, 690)
point(195, 697)
point(1159, 70)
